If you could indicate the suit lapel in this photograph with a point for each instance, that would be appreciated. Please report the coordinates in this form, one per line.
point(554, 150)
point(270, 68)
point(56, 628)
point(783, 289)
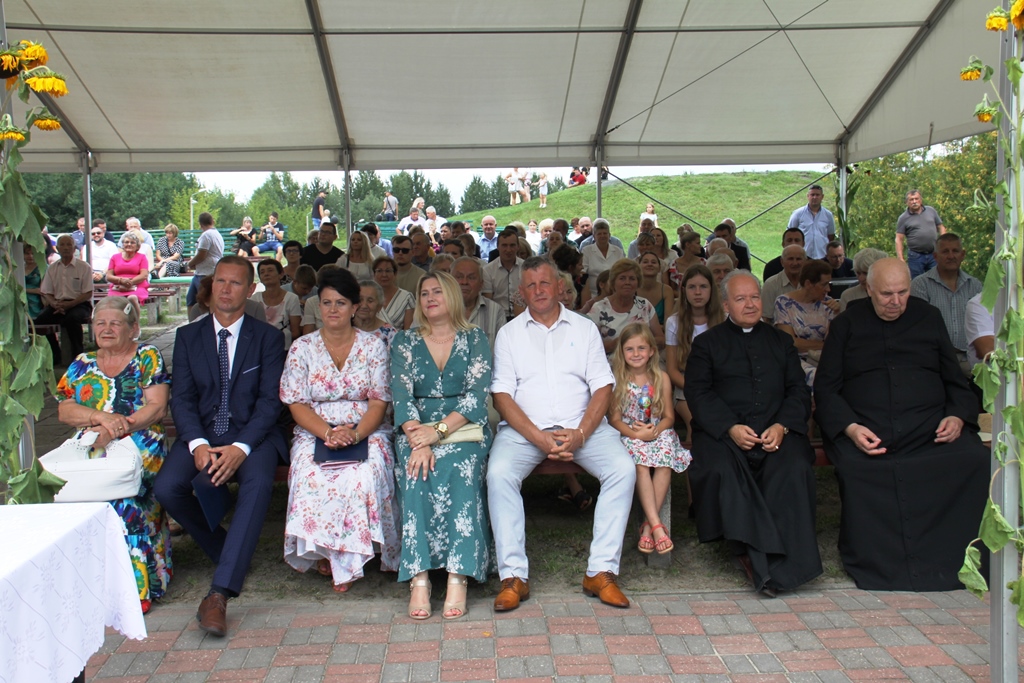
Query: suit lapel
point(242, 348)
point(208, 344)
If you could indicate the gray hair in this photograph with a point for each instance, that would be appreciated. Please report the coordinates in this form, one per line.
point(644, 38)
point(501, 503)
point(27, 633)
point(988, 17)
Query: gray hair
point(439, 259)
point(135, 220)
point(536, 263)
point(719, 259)
point(129, 237)
point(475, 261)
point(734, 274)
point(376, 287)
point(718, 242)
point(601, 224)
point(120, 304)
point(863, 259)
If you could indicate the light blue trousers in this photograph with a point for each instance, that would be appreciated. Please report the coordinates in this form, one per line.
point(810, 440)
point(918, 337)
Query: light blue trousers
point(512, 459)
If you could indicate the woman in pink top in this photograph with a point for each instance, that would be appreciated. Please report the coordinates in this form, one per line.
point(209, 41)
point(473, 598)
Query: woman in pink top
point(128, 272)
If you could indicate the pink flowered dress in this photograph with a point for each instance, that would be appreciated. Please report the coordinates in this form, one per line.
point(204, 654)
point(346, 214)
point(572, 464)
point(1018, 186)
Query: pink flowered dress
point(340, 514)
point(664, 451)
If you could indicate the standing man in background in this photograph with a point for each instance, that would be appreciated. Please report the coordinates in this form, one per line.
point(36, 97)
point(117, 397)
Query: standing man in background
point(390, 206)
point(918, 228)
point(209, 250)
point(816, 222)
point(318, 208)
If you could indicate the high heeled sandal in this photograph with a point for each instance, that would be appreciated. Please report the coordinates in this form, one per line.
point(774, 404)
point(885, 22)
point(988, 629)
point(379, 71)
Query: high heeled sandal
point(423, 606)
point(660, 543)
point(456, 580)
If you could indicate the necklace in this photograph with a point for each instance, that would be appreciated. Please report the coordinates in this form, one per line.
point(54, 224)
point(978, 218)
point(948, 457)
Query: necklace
point(441, 341)
point(332, 353)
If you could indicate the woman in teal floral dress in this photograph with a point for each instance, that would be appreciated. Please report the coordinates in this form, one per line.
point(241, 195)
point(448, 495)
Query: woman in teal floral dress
point(120, 390)
point(440, 374)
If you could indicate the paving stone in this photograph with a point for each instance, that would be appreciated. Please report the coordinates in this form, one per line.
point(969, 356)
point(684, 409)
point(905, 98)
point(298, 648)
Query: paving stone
point(260, 657)
point(145, 663)
point(296, 636)
point(282, 674)
point(539, 665)
point(421, 672)
point(395, 673)
point(308, 674)
point(117, 664)
point(343, 653)
point(766, 663)
point(739, 664)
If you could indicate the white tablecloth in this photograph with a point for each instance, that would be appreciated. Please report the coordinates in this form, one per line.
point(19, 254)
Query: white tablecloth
point(64, 575)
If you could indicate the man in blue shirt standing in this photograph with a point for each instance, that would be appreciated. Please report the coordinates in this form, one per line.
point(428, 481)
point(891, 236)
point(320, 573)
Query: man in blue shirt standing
point(816, 222)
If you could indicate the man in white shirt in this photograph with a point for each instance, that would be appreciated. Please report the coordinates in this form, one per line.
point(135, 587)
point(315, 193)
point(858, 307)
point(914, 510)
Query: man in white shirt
point(135, 225)
point(816, 222)
point(501, 276)
point(793, 259)
point(67, 294)
point(102, 251)
point(209, 250)
point(552, 386)
point(480, 311)
point(412, 219)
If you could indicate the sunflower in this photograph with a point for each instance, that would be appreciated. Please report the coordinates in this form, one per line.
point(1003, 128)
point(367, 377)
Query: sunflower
point(9, 61)
point(997, 20)
point(970, 73)
point(52, 83)
point(32, 54)
point(1017, 14)
point(46, 122)
point(985, 111)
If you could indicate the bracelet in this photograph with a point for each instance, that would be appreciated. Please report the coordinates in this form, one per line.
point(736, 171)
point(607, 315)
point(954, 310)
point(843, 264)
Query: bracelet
point(582, 435)
point(358, 438)
point(327, 433)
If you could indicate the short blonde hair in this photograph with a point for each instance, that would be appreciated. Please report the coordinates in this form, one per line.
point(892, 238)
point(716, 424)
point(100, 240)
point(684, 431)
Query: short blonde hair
point(452, 299)
point(171, 228)
point(623, 266)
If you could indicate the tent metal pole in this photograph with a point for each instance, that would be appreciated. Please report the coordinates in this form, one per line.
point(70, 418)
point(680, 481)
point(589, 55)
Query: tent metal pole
point(87, 203)
point(599, 155)
point(347, 163)
point(843, 180)
point(1005, 564)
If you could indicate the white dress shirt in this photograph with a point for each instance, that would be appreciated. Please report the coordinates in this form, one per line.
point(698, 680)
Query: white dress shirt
point(232, 342)
point(551, 373)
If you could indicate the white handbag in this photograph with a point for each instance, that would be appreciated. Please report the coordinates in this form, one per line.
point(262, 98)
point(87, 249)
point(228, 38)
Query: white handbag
point(117, 474)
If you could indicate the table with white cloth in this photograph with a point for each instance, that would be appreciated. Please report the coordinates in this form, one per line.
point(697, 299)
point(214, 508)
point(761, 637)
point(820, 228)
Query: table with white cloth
point(65, 574)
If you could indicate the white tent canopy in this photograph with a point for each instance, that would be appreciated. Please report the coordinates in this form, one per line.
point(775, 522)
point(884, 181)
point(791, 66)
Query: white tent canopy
point(220, 85)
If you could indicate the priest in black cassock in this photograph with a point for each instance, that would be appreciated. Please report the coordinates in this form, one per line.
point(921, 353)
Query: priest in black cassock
point(900, 425)
point(751, 476)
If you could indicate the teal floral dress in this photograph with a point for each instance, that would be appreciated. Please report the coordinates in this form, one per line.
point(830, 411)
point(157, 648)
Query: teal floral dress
point(149, 542)
point(444, 519)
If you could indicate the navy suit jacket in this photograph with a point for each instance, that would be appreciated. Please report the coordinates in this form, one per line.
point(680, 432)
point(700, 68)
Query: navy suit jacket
point(254, 397)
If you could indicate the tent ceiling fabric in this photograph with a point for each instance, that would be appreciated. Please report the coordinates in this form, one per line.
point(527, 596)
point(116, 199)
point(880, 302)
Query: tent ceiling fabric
point(218, 85)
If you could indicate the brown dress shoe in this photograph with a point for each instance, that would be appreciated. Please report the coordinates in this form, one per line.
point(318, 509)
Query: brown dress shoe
point(213, 614)
point(604, 586)
point(513, 589)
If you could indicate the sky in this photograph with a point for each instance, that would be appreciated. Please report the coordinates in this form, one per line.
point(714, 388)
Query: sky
point(456, 180)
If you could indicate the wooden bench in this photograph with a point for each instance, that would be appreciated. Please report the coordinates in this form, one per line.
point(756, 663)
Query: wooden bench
point(559, 467)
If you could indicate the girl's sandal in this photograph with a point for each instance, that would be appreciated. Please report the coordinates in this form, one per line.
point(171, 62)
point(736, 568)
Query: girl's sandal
point(460, 605)
point(323, 567)
point(422, 606)
point(646, 543)
point(664, 544)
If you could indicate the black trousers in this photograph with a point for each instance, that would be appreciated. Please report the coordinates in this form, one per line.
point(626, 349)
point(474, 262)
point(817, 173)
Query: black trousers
point(71, 320)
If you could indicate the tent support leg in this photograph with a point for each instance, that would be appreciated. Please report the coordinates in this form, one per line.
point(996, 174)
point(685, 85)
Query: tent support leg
point(347, 164)
point(1006, 490)
point(599, 155)
point(843, 180)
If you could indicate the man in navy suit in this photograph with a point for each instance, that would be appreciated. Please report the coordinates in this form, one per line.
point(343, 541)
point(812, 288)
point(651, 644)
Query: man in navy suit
point(227, 370)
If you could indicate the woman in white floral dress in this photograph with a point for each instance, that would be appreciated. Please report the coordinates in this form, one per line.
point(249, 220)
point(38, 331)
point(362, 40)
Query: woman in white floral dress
point(440, 373)
point(336, 382)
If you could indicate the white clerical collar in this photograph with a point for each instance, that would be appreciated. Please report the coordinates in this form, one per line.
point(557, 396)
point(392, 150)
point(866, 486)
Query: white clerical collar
point(746, 330)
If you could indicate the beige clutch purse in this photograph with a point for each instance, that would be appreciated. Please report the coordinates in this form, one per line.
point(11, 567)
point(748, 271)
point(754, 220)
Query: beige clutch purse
point(465, 433)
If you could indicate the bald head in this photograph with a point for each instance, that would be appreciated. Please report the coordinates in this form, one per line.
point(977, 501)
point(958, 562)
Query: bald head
point(888, 285)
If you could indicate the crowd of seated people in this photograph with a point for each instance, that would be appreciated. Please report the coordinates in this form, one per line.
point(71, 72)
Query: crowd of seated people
point(423, 352)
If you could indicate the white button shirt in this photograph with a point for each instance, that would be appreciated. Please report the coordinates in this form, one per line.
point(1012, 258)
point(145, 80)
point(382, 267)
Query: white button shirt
point(232, 340)
point(551, 373)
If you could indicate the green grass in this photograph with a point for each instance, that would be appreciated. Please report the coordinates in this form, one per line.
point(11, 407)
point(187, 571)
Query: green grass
point(705, 198)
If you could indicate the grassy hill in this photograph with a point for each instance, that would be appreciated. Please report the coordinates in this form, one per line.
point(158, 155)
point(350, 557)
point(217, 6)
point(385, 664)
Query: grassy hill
point(706, 198)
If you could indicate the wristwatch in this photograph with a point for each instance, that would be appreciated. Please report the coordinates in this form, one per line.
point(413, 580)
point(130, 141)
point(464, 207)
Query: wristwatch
point(442, 430)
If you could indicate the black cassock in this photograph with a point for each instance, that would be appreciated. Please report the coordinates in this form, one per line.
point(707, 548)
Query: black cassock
point(908, 513)
point(765, 500)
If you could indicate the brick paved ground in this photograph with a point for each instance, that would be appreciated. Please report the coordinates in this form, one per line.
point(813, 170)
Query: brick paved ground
point(828, 636)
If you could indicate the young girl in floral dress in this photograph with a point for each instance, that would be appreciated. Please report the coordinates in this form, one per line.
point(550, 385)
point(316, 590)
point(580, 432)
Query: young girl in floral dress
point(641, 410)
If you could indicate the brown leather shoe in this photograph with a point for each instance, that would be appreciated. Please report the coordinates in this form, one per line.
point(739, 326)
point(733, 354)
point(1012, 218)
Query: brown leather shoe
point(213, 614)
point(513, 590)
point(605, 587)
